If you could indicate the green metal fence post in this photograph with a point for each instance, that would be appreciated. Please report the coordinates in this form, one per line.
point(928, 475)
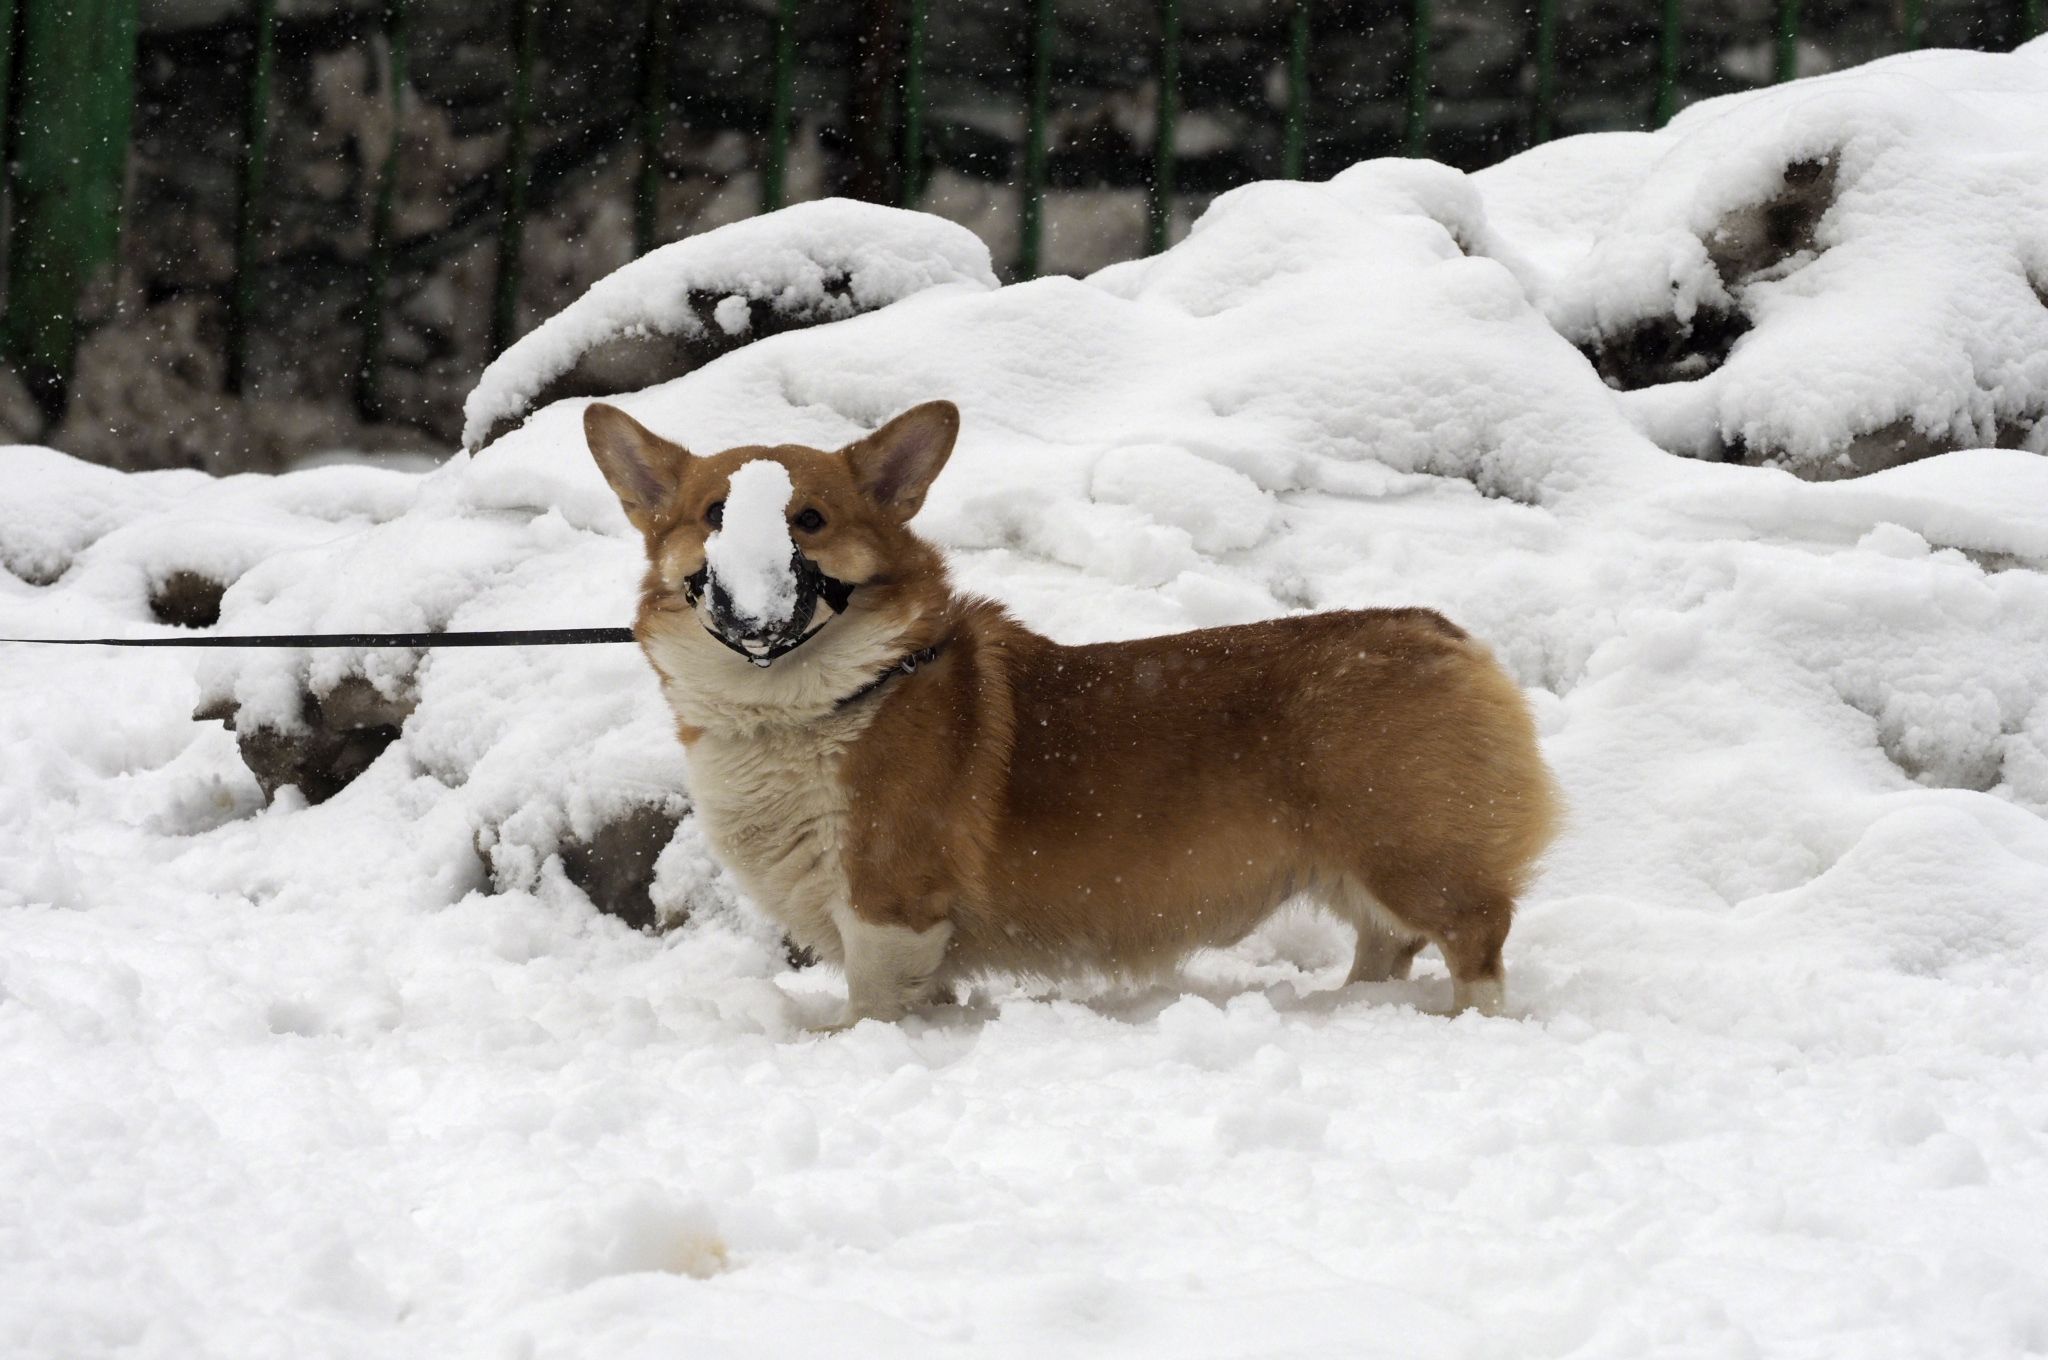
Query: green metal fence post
point(6, 81)
point(775, 161)
point(514, 177)
point(1786, 66)
point(1670, 34)
point(249, 204)
point(872, 104)
point(1031, 220)
point(653, 119)
point(1912, 25)
point(1415, 137)
point(1159, 202)
point(1543, 94)
point(75, 88)
point(370, 368)
point(1294, 146)
point(913, 105)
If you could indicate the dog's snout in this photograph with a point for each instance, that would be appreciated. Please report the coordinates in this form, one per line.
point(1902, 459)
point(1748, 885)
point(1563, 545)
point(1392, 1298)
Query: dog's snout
point(731, 620)
point(759, 639)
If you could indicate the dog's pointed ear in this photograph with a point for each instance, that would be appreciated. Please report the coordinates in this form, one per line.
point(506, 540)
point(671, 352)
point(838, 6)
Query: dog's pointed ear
point(896, 464)
point(642, 467)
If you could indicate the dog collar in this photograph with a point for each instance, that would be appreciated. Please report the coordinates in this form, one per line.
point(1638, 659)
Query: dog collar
point(923, 656)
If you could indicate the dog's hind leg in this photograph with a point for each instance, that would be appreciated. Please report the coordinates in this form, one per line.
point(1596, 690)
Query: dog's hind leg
point(1468, 922)
point(1385, 950)
point(890, 969)
point(1381, 955)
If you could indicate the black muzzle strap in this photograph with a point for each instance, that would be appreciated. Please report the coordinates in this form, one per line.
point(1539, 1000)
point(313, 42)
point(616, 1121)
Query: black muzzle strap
point(812, 585)
point(773, 654)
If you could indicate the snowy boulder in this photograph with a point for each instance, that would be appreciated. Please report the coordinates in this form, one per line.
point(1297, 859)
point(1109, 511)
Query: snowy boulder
point(678, 307)
point(611, 857)
point(1832, 276)
point(187, 599)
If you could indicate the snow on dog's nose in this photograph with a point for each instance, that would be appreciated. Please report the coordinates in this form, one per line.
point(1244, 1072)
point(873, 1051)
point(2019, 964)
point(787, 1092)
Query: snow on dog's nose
point(752, 557)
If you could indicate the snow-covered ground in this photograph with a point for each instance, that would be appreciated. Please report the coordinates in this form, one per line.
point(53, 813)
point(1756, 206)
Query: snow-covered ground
point(371, 1077)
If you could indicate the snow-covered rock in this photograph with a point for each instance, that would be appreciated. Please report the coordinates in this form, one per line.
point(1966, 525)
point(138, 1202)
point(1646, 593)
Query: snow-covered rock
point(694, 299)
point(371, 1076)
point(1834, 276)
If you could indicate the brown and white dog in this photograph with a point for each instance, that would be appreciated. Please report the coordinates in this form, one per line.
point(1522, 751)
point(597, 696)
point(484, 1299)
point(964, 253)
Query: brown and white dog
point(918, 788)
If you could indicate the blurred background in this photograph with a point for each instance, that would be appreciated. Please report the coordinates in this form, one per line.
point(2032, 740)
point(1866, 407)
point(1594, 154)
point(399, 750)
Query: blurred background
point(241, 231)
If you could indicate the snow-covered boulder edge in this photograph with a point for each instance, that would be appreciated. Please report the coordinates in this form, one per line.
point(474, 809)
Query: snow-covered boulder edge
point(701, 297)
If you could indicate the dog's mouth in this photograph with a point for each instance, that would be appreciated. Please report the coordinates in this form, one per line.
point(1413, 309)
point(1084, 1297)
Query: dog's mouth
point(763, 642)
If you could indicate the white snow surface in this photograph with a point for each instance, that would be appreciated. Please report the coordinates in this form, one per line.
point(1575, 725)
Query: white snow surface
point(372, 1078)
point(750, 554)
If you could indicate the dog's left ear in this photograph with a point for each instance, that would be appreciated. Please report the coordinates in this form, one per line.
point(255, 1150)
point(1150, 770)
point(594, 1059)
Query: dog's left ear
point(896, 464)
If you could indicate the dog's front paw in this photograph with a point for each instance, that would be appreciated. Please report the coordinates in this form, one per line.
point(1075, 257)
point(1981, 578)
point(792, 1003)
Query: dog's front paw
point(844, 1017)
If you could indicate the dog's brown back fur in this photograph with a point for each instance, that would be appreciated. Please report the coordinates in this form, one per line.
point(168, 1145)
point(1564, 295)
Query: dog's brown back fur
point(1038, 808)
point(1121, 804)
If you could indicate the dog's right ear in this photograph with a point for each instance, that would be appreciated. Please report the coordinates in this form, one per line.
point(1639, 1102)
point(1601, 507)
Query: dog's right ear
point(896, 464)
point(642, 467)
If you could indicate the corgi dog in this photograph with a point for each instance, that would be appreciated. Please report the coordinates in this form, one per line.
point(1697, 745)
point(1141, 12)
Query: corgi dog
point(919, 789)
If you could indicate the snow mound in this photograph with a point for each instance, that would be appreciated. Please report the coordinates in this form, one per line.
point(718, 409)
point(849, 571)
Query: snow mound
point(1834, 276)
point(810, 263)
point(751, 553)
point(371, 1070)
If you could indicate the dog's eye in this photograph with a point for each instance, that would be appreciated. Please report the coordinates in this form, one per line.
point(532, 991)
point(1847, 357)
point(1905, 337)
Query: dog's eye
point(714, 514)
point(810, 521)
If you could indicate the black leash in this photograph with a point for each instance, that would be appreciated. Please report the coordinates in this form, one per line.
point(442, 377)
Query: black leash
point(503, 637)
point(809, 578)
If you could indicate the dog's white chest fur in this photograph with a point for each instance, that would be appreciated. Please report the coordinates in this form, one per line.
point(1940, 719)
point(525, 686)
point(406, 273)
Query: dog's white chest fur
point(765, 776)
point(775, 811)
